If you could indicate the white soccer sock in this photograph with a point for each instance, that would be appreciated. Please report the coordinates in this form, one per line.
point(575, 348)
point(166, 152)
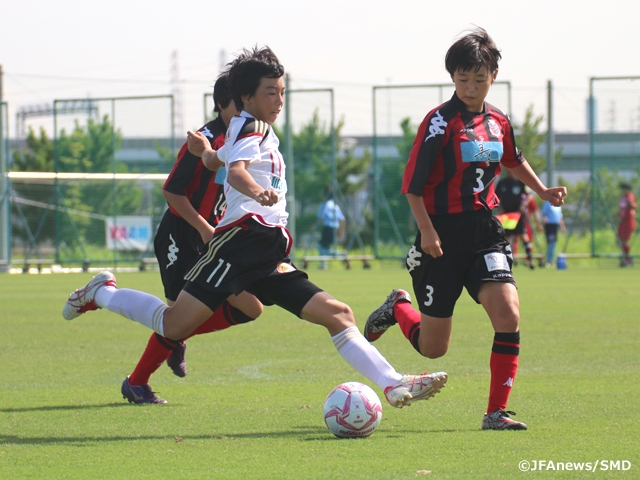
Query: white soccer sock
point(103, 295)
point(365, 358)
point(135, 305)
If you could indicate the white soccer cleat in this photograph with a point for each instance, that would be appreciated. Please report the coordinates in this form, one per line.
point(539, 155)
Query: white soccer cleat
point(83, 299)
point(415, 387)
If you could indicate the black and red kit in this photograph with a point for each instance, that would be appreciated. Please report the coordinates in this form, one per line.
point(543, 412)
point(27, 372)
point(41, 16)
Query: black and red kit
point(177, 244)
point(191, 178)
point(457, 156)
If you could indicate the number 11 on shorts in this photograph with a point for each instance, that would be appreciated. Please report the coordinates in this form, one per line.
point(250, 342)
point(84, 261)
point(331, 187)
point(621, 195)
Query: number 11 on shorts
point(220, 262)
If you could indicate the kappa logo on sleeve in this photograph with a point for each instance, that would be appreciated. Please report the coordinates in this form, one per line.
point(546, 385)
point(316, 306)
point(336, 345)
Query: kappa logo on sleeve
point(437, 125)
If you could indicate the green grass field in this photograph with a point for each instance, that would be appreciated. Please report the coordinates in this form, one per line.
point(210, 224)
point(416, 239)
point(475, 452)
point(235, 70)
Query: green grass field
point(251, 406)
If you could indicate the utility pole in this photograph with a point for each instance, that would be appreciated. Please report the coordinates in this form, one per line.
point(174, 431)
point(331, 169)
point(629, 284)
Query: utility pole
point(551, 144)
point(176, 84)
point(5, 188)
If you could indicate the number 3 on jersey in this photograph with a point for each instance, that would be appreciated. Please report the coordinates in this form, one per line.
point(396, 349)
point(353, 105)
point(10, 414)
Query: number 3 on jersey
point(479, 185)
point(429, 299)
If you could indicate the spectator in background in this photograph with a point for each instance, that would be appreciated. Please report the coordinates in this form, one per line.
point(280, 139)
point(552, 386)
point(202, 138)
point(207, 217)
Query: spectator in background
point(552, 223)
point(627, 214)
point(332, 220)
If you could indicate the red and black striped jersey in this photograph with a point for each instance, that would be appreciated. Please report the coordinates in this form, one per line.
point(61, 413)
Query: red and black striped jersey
point(457, 156)
point(189, 177)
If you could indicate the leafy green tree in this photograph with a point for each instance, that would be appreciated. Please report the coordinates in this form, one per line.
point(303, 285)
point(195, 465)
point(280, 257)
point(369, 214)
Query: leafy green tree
point(529, 138)
point(313, 150)
point(86, 149)
point(392, 171)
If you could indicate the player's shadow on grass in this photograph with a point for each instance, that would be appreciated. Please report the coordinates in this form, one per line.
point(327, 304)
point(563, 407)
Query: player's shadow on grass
point(52, 408)
point(315, 431)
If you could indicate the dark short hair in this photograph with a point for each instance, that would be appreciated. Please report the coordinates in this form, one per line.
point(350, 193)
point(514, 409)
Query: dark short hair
point(248, 69)
point(472, 52)
point(221, 92)
point(625, 185)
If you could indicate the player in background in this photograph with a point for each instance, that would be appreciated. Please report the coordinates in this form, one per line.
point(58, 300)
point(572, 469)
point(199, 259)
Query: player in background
point(532, 211)
point(449, 182)
point(196, 204)
point(627, 225)
point(250, 247)
point(331, 219)
point(553, 222)
point(514, 197)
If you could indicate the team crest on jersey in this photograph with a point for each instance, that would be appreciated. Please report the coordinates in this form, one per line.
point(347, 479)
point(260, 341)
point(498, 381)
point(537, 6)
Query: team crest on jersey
point(284, 267)
point(494, 128)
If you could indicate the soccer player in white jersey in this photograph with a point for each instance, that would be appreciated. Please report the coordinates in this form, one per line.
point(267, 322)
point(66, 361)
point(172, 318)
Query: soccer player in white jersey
point(250, 247)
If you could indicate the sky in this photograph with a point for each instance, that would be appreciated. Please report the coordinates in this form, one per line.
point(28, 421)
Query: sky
point(79, 49)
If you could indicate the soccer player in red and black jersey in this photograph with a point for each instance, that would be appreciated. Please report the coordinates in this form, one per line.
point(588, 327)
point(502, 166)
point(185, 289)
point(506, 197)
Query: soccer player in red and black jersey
point(196, 204)
point(449, 180)
point(627, 225)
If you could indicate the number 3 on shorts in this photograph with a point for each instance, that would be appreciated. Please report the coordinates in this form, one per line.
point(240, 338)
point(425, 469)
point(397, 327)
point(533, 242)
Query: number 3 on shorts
point(429, 300)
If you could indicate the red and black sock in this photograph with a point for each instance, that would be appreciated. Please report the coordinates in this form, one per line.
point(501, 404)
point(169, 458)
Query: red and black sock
point(158, 350)
point(504, 365)
point(408, 319)
point(224, 317)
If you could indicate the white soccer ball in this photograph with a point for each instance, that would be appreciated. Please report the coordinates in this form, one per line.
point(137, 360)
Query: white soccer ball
point(352, 410)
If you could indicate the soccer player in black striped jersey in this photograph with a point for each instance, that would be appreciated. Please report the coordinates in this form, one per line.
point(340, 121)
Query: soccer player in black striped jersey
point(449, 179)
point(196, 204)
point(249, 250)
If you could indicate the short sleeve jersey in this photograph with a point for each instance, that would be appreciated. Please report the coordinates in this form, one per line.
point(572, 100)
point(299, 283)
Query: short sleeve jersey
point(456, 157)
point(627, 212)
point(330, 214)
point(552, 214)
point(252, 140)
point(189, 177)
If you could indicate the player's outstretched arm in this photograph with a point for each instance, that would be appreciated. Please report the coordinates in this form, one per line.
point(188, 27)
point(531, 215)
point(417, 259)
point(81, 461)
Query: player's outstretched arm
point(242, 181)
point(526, 175)
point(200, 147)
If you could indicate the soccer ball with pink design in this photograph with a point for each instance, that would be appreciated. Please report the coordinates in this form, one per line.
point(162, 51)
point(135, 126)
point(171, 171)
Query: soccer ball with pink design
point(352, 410)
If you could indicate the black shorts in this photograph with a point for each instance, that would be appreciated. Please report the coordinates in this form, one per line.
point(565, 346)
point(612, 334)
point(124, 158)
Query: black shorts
point(177, 245)
point(474, 251)
point(253, 257)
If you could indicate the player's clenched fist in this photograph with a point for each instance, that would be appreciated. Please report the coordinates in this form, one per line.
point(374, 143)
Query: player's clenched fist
point(267, 198)
point(197, 143)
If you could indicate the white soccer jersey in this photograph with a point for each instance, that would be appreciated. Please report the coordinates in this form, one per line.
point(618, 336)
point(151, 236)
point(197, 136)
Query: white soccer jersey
point(254, 140)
